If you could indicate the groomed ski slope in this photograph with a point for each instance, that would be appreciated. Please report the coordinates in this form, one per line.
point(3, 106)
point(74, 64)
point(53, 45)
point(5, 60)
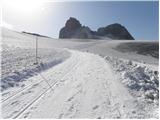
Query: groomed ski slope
point(101, 81)
point(83, 86)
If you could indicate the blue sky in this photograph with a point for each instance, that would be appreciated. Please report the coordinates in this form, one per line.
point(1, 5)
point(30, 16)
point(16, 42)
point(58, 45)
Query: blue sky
point(140, 18)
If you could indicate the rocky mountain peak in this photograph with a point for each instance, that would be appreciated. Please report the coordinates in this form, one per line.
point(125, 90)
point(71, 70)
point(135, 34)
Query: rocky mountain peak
point(72, 23)
point(74, 29)
point(115, 31)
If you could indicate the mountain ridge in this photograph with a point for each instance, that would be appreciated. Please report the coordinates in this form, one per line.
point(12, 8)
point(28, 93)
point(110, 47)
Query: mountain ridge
point(74, 29)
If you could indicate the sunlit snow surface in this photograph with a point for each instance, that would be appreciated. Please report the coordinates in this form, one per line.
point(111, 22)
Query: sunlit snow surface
point(78, 78)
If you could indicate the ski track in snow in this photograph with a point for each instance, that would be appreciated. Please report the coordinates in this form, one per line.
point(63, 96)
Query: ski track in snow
point(38, 87)
point(83, 86)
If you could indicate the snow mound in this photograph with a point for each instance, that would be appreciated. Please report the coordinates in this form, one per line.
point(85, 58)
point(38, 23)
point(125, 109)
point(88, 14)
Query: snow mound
point(141, 79)
point(18, 63)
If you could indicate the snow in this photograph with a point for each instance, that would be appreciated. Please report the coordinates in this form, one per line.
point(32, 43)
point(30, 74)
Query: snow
point(76, 79)
point(86, 95)
point(19, 64)
point(142, 80)
point(137, 77)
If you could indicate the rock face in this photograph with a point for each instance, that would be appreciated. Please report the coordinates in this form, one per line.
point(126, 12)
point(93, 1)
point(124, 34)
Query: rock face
point(72, 24)
point(73, 29)
point(115, 31)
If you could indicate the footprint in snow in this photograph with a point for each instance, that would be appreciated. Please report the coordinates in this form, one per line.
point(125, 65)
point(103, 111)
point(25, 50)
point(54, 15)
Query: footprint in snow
point(95, 107)
point(60, 116)
point(15, 103)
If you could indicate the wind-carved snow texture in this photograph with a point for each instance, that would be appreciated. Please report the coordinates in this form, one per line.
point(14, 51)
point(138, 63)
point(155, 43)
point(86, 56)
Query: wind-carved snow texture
point(142, 81)
point(19, 64)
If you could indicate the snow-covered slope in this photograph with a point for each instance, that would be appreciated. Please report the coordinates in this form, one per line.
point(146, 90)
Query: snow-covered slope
point(19, 63)
point(101, 47)
point(71, 81)
point(19, 58)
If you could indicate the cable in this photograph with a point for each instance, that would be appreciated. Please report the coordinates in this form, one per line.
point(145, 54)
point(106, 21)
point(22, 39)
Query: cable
point(44, 77)
point(39, 66)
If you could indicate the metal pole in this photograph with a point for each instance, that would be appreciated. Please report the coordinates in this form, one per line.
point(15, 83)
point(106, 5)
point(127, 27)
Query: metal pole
point(36, 49)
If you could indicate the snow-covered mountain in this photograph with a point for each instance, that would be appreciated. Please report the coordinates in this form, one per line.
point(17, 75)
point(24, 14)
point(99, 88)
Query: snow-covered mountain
point(78, 78)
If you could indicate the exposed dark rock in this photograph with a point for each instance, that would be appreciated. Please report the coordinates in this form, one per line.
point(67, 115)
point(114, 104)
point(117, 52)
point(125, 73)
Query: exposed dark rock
point(73, 29)
point(115, 31)
point(72, 24)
